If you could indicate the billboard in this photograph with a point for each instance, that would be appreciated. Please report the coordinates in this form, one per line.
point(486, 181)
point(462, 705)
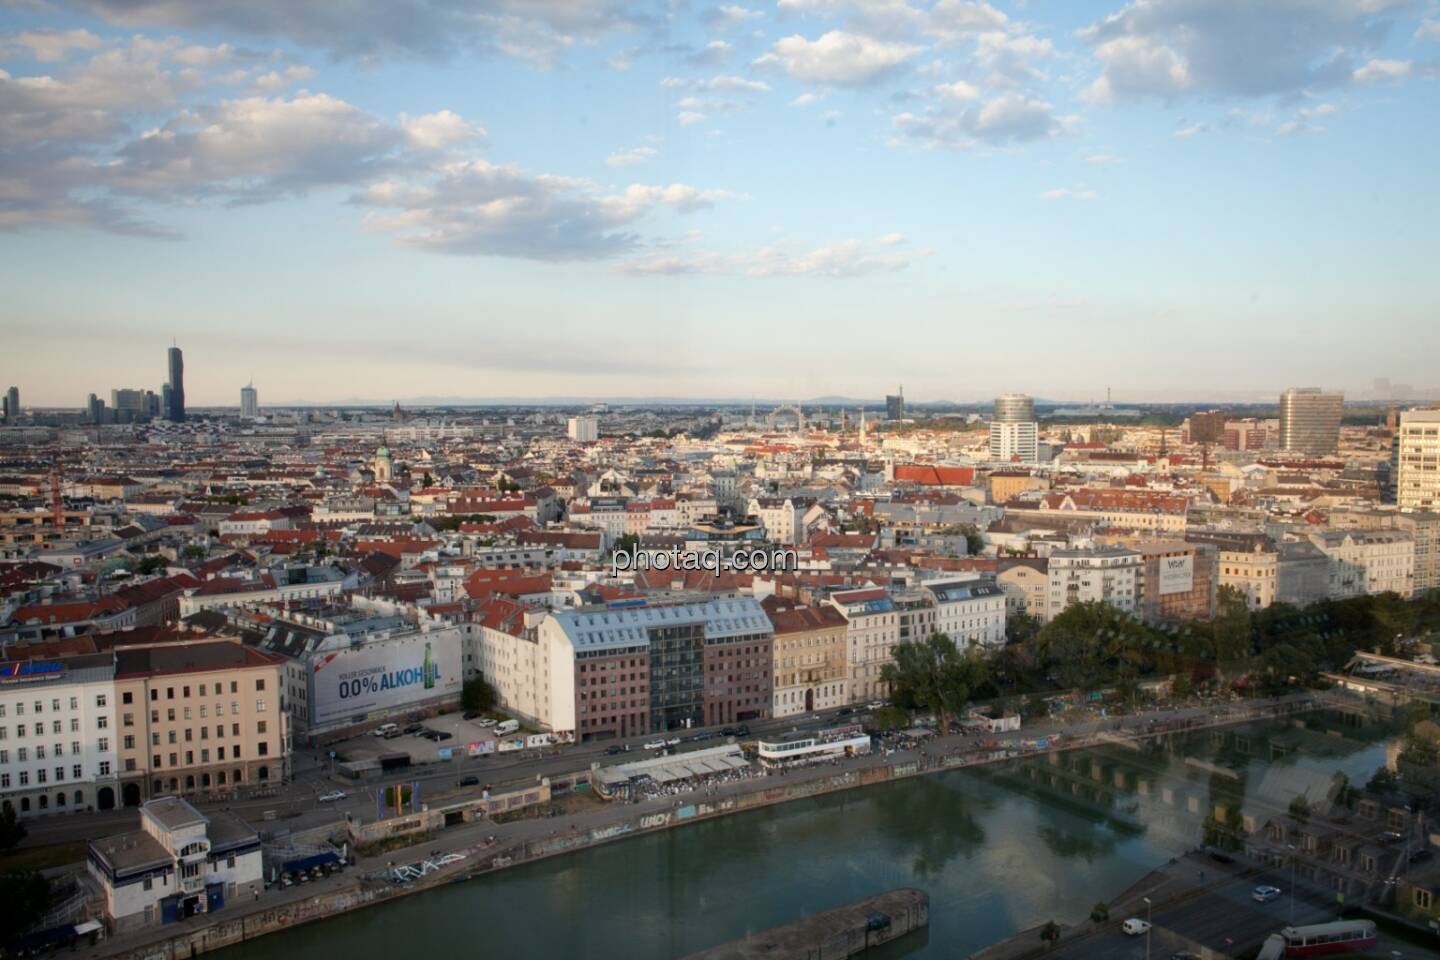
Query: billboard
point(1177, 575)
point(384, 675)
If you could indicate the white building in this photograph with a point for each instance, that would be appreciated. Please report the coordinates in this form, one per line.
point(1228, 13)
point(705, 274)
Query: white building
point(872, 633)
point(1417, 455)
point(58, 735)
point(1368, 561)
point(249, 402)
point(583, 429)
point(180, 863)
point(969, 611)
point(783, 519)
point(1104, 574)
point(1014, 434)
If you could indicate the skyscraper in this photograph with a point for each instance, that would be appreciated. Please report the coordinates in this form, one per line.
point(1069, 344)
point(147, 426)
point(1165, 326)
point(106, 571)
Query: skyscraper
point(1310, 421)
point(249, 402)
point(1014, 434)
point(1417, 456)
point(895, 406)
point(175, 410)
point(12, 404)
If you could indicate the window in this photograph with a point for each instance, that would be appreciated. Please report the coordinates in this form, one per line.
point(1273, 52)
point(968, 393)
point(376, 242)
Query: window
point(129, 741)
point(74, 724)
point(128, 720)
point(104, 768)
point(24, 778)
point(259, 706)
point(4, 756)
point(4, 781)
point(76, 774)
point(103, 745)
point(155, 761)
point(1423, 898)
point(264, 748)
point(127, 697)
point(259, 683)
point(100, 700)
point(102, 722)
point(260, 726)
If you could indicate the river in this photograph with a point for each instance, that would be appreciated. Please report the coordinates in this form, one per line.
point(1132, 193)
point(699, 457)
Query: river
point(998, 849)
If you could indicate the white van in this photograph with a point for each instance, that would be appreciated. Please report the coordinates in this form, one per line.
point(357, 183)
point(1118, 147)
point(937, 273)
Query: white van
point(506, 727)
point(387, 730)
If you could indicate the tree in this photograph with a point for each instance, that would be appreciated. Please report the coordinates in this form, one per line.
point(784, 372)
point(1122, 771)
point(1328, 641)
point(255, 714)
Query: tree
point(1085, 643)
point(1100, 913)
point(1021, 627)
point(152, 565)
point(887, 719)
point(477, 696)
point(932, 674)
point(27, 896)
point(427, 481)
point(12, 829)
point(1300, 807)
point(1050, 933)
point(1233, 632)
point(627, 543)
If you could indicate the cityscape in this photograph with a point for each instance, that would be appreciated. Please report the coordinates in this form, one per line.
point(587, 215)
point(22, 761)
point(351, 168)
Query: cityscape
point(820, 478)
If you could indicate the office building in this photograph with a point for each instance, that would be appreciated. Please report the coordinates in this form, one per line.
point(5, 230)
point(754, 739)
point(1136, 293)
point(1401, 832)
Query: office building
point(583, 429)
point(12, 404)
point(809, 655)
point(175, 405)
point(179, 864)
point(872, 629)
point(129, 405)
point(249, 402)
point(1014, 434)
point(895, 406)
point(1417, 457)
point(1310, 421)
point(95, 409)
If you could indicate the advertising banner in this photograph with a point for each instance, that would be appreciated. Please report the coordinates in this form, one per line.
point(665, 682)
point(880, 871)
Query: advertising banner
point(384, 675)
point(1177, 575)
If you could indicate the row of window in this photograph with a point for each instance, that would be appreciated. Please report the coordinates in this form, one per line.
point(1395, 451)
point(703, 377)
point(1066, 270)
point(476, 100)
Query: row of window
point(43, 776)
point(39, 705)
point(22, 754)
point(55, 727)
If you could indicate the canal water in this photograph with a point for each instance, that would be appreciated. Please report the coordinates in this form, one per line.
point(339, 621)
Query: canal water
point(999, 850)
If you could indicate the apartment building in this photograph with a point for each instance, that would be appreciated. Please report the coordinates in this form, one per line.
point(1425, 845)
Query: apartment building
point(872, 631)
point(1102, 574)
point(969, 611)
point(58, 735)
point(199, 718)
point(1368, 561)
point(810, 672)
point(1178, 580)
point(1026, 582)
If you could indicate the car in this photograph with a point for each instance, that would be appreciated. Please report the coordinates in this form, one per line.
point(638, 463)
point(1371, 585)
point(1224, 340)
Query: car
point(1221, 857)
point(727, 731)
point(844, 711)
point(1135, 926)
point(470, 714)
point(673, 742)
point(655, 745)
point(487, 722)
point(1265, 893)
point(414, 728)
point(1421, 855)
point(876, 705)
point(443, 735)
point(1390, 836)
point(332, 796)
point(469, 781)
point(612, 751)
point(743, 730)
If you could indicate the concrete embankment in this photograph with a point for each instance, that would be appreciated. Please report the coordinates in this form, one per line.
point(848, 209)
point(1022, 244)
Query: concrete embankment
point(842, 932)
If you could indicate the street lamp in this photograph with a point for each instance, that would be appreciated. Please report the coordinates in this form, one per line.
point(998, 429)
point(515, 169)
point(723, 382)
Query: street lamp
point(1147, 928)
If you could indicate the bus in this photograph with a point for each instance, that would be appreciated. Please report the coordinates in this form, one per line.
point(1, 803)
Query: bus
point(1341, 936)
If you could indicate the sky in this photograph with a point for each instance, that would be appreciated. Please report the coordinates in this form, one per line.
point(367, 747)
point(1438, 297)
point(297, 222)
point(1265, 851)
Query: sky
point(1170, 199)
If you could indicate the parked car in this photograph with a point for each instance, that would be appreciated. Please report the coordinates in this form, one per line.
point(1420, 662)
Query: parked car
point(743, 730)
point(332, 796)
point(1421, 855)
point(1221, 857)
point(385, 729)
point(469, 781)
point(1265, 893)
point(673, 742)
point(470, 714)
point(414, 727)
point(443, 735)
point(612, 751)
point(1135, 926)
point(1390, 836)
point(844, 711)
point(487, 722)
point(727, 731)
point(876, 705)
point(655, 745)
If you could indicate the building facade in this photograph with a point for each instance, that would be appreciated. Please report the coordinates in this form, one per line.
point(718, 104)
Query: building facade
point(1310, 421)
point(1014, 434)
point(872, 631)
point(1417, 452)
point(1100, 574)
point(809, 666)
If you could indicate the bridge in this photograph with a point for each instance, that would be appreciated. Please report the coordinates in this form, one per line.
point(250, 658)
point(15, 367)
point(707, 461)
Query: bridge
point(787, 409)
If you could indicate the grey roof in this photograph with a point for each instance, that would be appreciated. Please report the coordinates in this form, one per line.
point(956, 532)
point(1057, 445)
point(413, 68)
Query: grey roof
point(129, 852)
point(627, 626)
point(173, 813)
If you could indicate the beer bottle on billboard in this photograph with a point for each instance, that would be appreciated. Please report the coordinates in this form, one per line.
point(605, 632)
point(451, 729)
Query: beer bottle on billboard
point(430, 669)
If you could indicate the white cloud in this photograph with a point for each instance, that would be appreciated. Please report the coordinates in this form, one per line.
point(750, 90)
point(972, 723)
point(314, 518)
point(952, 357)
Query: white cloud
point(723, 83)
point(712, 54)
point(1102, 159)
point(891, 240)
point(733, 14)
point(278, 80)
point(1169, 48)
point(48, 46)
point(1186, 131)
point(953, 19)
point(806, 99)
point(838, 58)
point(436, 131)
point(688, 118)
point(1007, 119)
point(959, 90)
point(847, 258)
point(479, 208)
point(1378, 71)
point(1068, 193)
point(627, 158)
point(1429, 29)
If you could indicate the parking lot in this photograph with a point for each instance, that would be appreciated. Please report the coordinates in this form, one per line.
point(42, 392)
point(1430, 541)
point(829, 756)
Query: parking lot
point(446, 732)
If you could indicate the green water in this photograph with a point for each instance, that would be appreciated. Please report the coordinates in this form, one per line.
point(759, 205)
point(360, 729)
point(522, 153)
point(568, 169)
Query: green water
point(998, 850)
